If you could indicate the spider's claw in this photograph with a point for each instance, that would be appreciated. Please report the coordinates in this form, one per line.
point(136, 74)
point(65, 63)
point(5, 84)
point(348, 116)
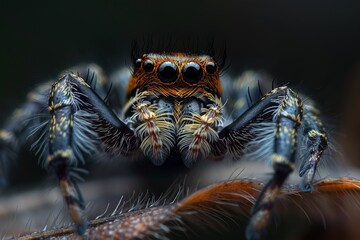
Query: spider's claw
point(72, 196)
point(257, 224)
point(251, 234)
point(75, 204)
point(307, 173)
point(306, 182)
point(306, 186)
point(80, 220)
point(81, 226)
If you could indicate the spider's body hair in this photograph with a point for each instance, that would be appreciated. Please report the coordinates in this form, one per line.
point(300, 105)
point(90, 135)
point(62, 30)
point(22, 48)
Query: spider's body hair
point(197, 132)
point(160, 123)
point(216, 51)
point(256, 140)
point(155, 127)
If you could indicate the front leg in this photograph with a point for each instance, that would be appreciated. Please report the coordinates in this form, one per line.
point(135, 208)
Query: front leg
point(316, 142)
point(28, 125)
point(78, 119)
point(287, 113)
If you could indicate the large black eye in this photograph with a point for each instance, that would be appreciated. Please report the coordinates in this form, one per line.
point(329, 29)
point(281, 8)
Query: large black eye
point(211, 67)
point(148, 65)
point(138, 63)
point(192, 72)
point(168, 72)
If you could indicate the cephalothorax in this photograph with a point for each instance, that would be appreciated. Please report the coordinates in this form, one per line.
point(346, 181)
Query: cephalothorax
point(173, 110)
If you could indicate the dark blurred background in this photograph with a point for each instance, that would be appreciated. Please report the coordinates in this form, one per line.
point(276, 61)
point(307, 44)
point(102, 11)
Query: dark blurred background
point(312, 45)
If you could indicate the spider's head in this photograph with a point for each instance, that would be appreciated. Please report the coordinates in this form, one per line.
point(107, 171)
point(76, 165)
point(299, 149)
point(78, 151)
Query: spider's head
point(176, 75)
point(174, 102)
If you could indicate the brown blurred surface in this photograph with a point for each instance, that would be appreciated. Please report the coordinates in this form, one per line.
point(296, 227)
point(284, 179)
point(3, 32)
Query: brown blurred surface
point(221, 211)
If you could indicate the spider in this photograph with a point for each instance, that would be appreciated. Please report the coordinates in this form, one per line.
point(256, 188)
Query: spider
point(172, 108)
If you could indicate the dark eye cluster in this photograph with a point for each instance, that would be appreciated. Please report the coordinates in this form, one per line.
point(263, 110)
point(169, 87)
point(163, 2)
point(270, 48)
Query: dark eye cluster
point(168, 72)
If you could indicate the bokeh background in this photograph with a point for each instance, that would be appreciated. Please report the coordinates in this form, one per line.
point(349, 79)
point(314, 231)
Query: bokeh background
point(313, 46)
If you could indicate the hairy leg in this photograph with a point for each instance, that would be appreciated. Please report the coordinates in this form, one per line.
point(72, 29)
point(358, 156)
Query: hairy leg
point(316, 142)
point(71, 98)
point(285, 109)
point(26, 124)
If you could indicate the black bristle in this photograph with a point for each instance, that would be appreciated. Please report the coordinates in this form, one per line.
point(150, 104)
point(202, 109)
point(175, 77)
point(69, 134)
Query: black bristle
point(259, 87)
point(92, 78)
point(106, 99)
point(87, 76)
point(188, 45)
point(249, 95)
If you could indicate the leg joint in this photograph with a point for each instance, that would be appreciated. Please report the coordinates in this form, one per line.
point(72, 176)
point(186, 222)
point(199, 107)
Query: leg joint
point(59, 156)
point(292, 107)
point(318, 138)
point(62, 92)
point(282, 162)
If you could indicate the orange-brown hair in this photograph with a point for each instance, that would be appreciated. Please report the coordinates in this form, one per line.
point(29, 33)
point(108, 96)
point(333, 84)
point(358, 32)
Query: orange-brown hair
point(143, 80)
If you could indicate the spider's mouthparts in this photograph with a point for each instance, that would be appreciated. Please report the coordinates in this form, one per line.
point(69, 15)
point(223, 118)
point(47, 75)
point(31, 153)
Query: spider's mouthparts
point(189, 125)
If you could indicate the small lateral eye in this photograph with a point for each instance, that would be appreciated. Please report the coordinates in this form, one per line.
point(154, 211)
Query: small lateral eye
point(211, 67)
point(148, 65)
point(192, 72)
point(168, 72)
point(138, 63)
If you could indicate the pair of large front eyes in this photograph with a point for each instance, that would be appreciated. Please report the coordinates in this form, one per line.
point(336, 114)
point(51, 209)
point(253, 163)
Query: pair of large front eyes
point(168, 71)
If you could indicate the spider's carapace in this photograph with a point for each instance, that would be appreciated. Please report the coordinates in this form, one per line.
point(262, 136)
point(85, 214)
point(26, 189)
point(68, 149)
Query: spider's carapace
point(176, 75)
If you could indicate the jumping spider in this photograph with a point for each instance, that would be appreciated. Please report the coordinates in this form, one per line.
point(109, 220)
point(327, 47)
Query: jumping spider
point(173, 109)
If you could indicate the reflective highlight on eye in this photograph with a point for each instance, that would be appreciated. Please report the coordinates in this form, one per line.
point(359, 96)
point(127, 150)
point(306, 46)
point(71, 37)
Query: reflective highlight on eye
point(211, 67)
point(168, 72)
point(192, 72)
point(148, 65)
